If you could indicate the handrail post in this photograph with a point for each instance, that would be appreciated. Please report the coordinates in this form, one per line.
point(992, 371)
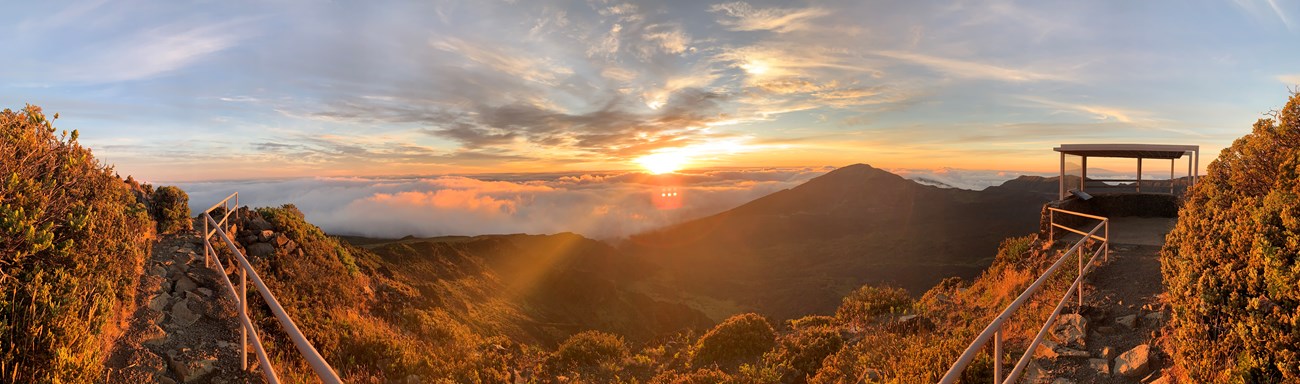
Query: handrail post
point(1079, 292)
point(1051, 228)
point(997, 356)
point(1105, 255)
point(207, 257)
point(243, 312)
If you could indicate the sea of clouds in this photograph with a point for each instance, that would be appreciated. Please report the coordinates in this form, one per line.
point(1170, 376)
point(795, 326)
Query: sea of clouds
point(598, 205)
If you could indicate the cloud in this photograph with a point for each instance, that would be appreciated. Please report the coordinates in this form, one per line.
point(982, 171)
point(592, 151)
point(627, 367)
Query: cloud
point(598, 205)
point(972, 179)
point(741, 16)
point(1099, 112)
point(1292, 79)
point(143, 54)
point(971, 69)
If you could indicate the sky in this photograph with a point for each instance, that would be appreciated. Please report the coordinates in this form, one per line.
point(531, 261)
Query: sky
point(193, 91)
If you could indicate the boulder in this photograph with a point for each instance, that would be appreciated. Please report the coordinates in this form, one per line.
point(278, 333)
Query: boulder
point(266, 235)
point(182, 315)
point(1105, 330)
point(1133, 363)
point(1102, 366)
point(259, 224)
point(204, 292)
point(1071, 329)
point(281, 240)
point(184, 284)
point(1127, 321)
point(189, 371)
point(1046, 349)
point(1107, 353)
point(1071, 352)
point(261, 250)
point(153, 335)
point(158, 303)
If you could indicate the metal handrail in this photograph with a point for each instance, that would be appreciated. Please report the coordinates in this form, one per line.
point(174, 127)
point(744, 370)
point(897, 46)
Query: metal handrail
point(314, 359)
point(994, 329)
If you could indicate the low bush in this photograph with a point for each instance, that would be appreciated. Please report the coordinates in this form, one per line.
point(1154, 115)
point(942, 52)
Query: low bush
point(738, 340)
point(171, 209)
point(593, 355)
point(864, 305)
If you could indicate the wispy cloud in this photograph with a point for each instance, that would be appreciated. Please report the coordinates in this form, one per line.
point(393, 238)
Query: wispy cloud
point(1098, 112)
point(972, 69)
point(740, 16)
point(1292, 79)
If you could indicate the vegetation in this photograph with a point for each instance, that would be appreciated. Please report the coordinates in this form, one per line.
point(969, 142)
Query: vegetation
point(73, 239)
point(1230, 265)
point(170, 207)
point(740, 339)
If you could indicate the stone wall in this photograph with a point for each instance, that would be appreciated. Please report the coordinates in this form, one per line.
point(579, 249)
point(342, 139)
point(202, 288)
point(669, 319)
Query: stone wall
point(1109, 205)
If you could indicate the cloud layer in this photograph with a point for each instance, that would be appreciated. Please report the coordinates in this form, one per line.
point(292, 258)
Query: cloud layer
point(598, 205)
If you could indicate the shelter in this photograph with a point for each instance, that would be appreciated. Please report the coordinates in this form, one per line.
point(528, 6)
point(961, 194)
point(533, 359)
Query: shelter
point(1131, 151)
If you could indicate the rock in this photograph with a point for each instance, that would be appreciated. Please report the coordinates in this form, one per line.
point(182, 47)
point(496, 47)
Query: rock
point(1102, 366)
point(261, 250)
point(1107, 353)
point(281, 240)
point(165, 380)
point(153, 335)
point(1034, 373)
point(1105, 330)
point(158, 303)
point(1134, 363)
point(872, 375)
point(266, 235)
point(1071, 329)
point(1155, 316)
point(204, 291)
point(182, 315)
point(1062, 381)
point(158, 270)
point(250, 239)
point(1163, 379)
point(259, 224)
point(185, 284)
point(1046, 349)
point(1128, 321)
point(193, 370)
point(1071, 352)
point(167, 286)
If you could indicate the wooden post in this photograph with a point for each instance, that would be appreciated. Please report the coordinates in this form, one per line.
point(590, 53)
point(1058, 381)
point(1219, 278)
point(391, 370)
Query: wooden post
point(1171, 176)
point(997, 357)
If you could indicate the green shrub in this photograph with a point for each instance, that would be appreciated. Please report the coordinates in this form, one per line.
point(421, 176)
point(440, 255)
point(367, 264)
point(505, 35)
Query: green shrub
point(799, 355)
point(171, 209)
point(73, 240)
point(1230, 265)
point(864, 305)
point(590, 354)
point(702, 376)
point(738, 340)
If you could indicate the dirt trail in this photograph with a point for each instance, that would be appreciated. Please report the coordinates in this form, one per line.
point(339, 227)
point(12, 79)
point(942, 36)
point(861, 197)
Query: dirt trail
point(184, 329)
point(1124, 310)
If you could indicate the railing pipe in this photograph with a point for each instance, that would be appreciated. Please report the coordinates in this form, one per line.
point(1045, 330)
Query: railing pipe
point(996, 325)
point(314, 359)
point(247, 326)
point(1042, 332)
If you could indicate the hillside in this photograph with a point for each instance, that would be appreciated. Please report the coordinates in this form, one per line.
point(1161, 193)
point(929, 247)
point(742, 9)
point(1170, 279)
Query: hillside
point(798, 251)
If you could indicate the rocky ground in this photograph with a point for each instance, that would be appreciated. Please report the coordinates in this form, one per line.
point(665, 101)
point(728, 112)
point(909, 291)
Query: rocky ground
point(185, 328)
point(1113, 338)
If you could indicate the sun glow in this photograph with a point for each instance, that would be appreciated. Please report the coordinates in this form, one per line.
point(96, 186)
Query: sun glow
point(663, 162)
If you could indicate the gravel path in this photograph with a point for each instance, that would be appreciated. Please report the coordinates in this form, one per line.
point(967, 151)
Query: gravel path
point(184, 329)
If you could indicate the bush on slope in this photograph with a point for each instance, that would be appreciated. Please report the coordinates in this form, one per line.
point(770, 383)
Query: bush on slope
point(72, 243)
point(1230, 265)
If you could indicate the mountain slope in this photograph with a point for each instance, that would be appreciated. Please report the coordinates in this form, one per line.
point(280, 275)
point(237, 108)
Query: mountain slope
point(798, 251)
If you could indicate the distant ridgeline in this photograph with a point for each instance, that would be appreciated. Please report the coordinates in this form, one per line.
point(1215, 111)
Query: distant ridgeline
point(1230, 266)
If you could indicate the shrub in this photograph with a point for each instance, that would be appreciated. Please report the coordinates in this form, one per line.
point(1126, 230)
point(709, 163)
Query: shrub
point(740, 339)
point(591, 354)
point(800, 354)
point(702, 376)
point(1230, 264)
point(867, 303)
point(73, 240)
point(171, 208)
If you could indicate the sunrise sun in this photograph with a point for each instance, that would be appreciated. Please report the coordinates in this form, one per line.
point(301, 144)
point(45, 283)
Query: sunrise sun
point(660, 163)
